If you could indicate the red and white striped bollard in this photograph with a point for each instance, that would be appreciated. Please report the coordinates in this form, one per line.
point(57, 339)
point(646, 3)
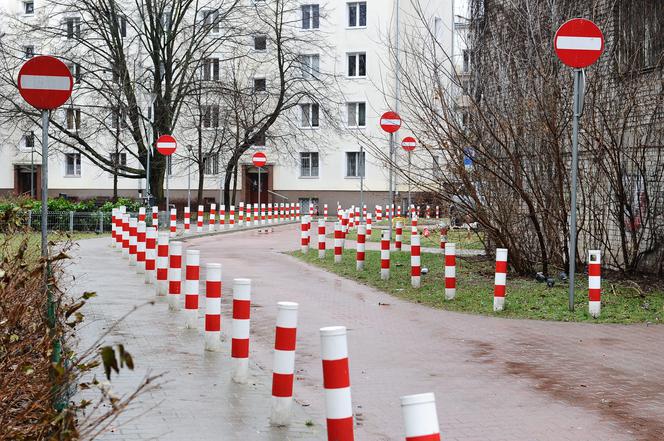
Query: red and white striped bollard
point(187, 220)
point(420, 417)
point(415, 263)
point(283, 371)
point(385, 255)
point(360, 245)
point(133, 225)
point(240, 341)
point(500, 279)
point(212, 221)
point(336, 381)
point(140, 247)
point(161, 287)
point(321, 238)
point(199, 219)
point(399, 236)
point(191, 289)
point(174, 275)
point(155, 217)
point(213, 287)
point(594, 282)
point(338, 242)
point(150, 255)
point(231, 217)
point(173, 222)
point(450, 271)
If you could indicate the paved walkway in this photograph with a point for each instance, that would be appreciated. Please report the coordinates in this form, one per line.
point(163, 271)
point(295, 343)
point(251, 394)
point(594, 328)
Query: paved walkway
point(494, 379)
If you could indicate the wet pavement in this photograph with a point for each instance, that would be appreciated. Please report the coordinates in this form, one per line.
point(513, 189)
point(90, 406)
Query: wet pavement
point(494, 379)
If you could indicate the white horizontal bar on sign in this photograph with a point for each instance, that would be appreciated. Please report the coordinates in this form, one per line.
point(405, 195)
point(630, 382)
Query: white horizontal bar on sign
point(579, 43)
point(390, 122)
point(44, 82)
point(167, 145)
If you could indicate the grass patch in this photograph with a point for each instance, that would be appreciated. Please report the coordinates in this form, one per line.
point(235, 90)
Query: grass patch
point(462, 238)
point(622, 302)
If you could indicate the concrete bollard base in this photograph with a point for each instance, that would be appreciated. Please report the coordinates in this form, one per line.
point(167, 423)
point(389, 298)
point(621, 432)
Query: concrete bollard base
point(498, 304)
point(594, 308)
point(337, 258)
point(321, 254)
point(359, 265)
point(240, 370)
point(415, 281)
point(212, 341)
point(450, 293)
point(281, 411)
point(191, 319)
point(384, 274)
point(173, 302)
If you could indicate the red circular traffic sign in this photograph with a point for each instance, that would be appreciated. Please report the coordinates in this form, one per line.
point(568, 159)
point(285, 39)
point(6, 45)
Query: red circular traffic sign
point(409, 143)
point(166, 145)
point(390, 122)
point(45, 82)
point(259, 159)
point(578, 42)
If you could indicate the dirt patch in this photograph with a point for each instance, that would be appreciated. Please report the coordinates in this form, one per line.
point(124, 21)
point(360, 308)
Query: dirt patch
point(611, 405)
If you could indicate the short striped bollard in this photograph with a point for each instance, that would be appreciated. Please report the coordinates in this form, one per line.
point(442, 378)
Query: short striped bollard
point(415, 263)
point(199, 219)
point(385, 255)
point(213, 287)
point(321, 238)
point(150, 255)
point(283, 370)
point(191, 288)
point(500, 280)
point(240, 341)
point(133, 243)
point(360, 244)
point(212, 221)
point(140, 247)
point(187, 220)
point(162, 264)
point(336, 381)
point(173, 222)
point(420, 417)
point(338, 242)
point(450, 271)
point(399, 236)
point(174, 275)
point(594, 282)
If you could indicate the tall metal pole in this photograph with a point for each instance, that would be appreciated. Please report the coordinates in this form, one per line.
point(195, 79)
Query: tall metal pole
point(259, 190)
point(189, 183)
point(32, 170)
point(575, 160)
point(408, 208)
point(362, 183)
point(168, 175)
point(44, 186)
point(389, 203)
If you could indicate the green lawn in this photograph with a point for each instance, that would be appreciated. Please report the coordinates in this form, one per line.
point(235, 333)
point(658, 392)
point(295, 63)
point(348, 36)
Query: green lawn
point(472, 241)
point(526, 298)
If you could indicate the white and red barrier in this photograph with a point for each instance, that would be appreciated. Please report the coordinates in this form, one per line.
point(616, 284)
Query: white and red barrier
point(133, 225)
point(187, 220)
point(325, 212)
point(379, 213)
point(141, 214)
point(385, 255)
point(240, 341)
point(443, 238)
point(304, 243)
point(155, 217)
point(344, 223)
point(173, 222)
point(415, 263)
point(361, 239)
point(150, 255)
point(263, 214)
point(125, 235)
point(450, 271)
point(420, 417)
point(428, 212)
point(437, 212)
point(364, 212)
point(191, 288)
point(231, 217)
point(500, 280)
point(283, 370)
point(298, 207)
point(399, 236)
point(321, 238)
point(594, 282)
point(161, 287)
point(174, 275)
point(257, 218)
point(369, 221)
point(199, 219)
point(213, 287)
point(336, 381)
point(351, 218)
point(222, 216)
point(140, 247)
point(114, 227)
point(338, 242)
point(247, 216)
point(240, 214)
point(212, 220)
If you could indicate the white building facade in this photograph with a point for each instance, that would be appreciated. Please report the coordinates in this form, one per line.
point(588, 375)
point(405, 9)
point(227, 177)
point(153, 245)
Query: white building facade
point(361, 37)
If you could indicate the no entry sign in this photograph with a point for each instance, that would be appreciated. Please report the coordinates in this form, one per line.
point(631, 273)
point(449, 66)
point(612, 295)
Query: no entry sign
point(259, 159)
point(45, 82)
point(579, 43)
point(166, 145)
point(390, 122)
point(409, 143)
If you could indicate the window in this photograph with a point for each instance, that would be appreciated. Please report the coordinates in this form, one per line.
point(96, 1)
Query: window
point(211, 164)
point(357, 64)
point(260, 140)
point(75, 70)
point(29, 140)
point(260, 43)
point(309, 164)
point(357, 14)
point(211, 116)
point(310, 65)
point(118, 160)
point(357, 114)
point(28, 51)
point(354, 164)
point(73, 27)
point(73, 164)
point(119, 118)
point(211, 69)
point(309, 114)
point(73, 118)
point(310, 17)
point(466, 61)
point(28, 7)
point(211, 20)
point(260, 85)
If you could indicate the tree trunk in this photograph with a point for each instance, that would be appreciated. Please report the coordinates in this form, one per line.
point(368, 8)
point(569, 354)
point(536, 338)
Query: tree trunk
point(201, 180)
point(157, 173)
point(234, 183)
point(115, 185)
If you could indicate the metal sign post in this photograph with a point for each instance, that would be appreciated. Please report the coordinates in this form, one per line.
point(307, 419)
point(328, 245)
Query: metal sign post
point(578, 43)
point(578, 104)
point(362, 171)
point(259, 190)
point(168, 175)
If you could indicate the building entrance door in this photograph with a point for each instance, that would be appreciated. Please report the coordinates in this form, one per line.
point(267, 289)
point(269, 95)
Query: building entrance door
point(252, 186)
point(22, 180)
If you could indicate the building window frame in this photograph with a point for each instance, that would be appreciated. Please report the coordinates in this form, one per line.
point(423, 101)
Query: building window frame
point(354, 15)
point(211, 163)
point(356, 64)
point(310, 16)
point(356, 164)
point(28, 7)
point(73, 165)
point(309, 115)
point(356, 114)
point(309, 165)
point(260, 84)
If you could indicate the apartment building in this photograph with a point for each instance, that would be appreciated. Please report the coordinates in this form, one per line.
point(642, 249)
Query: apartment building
point(333, 154)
